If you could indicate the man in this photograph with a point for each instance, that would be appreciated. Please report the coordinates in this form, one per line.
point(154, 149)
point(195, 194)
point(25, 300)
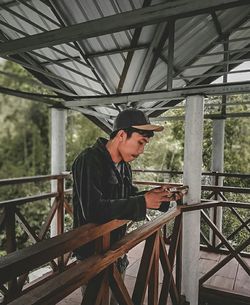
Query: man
point(103, 188)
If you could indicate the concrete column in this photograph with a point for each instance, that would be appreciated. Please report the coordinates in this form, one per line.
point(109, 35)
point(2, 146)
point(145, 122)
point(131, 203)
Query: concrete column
point(192, 177)
point(58, 151)
point(217, 165)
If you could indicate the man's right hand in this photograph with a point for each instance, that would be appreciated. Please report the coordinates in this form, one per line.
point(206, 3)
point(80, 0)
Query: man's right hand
point(155, 197)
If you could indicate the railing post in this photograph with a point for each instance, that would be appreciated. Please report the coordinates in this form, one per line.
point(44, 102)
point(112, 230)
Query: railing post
point(60, 198)
point(215, 210)
point(154, 274)
point(10, 226)
point(105, 246)
point(98, 287)
point(178, 268)
point(60, 215)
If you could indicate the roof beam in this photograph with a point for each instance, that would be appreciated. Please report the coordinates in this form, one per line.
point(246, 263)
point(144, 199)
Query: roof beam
point(34, 83)
point(159, 38)
point(32, 96)
point(212, 116)
point(117, 51)
point(171, 41)
point(128, 60)
point(134, 42)
point(116, 23)
point(63, 23)
point(217, 89)
point(217, 24)
point(202, 53)
point(51, 75)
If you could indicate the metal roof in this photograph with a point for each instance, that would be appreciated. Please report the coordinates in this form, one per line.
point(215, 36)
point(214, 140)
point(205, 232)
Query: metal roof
point(83, 49)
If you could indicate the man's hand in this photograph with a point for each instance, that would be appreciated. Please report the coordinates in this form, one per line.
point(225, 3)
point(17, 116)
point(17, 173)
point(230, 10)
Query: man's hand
point(155, 197)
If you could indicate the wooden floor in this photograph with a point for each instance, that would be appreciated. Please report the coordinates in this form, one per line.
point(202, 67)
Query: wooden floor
point(231, 277)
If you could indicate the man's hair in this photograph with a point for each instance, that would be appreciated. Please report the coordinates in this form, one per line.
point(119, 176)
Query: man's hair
point(130, 130)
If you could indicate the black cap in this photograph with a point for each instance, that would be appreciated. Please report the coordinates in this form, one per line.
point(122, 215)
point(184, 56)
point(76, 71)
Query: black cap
point(134, 118)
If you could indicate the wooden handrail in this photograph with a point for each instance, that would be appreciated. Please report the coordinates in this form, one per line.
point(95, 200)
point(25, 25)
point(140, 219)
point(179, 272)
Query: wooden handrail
point(20, 180)
point(26, 259)
point(219, 174)
point(63, 284)
point(23, 200)
point(22, 261)
point(11, 181)
point(214, 204)
point(226, 189)
point(214, 188)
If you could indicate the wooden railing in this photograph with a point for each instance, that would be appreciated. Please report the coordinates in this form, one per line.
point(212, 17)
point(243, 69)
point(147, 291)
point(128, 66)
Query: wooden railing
point(213, 192)
point(100, 270)
point(11, 215)
point(232, 252)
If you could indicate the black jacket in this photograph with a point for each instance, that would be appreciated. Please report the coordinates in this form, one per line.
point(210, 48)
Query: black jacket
point(102, 193)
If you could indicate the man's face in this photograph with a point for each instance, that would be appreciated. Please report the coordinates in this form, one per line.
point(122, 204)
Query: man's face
point(131, 148)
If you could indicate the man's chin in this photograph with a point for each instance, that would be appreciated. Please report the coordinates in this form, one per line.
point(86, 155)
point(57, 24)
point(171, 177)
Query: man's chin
point(133, 157)
point(130, 158)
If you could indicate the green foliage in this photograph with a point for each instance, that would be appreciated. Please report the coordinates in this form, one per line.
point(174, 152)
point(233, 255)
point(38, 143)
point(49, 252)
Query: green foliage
point(81, 133)
point(24, 134)
point(25, 149)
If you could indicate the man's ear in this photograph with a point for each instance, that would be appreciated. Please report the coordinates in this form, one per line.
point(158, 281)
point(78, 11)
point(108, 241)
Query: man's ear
point(121, 135)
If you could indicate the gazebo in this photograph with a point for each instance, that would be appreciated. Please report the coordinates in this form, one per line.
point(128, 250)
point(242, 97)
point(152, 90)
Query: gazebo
point(98, 58)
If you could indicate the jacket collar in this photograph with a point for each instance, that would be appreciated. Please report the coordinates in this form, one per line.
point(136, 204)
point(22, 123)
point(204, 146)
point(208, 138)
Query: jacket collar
point(101, 145)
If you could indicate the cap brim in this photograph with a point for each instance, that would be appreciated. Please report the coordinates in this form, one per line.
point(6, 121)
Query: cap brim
point(149, 127)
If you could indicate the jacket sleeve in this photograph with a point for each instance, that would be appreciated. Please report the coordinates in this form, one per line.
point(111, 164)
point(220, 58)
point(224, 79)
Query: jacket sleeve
point(88, 184)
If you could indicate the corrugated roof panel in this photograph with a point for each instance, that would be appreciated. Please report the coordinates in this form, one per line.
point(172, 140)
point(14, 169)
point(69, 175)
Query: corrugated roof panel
point(134, 69)
point(198, 34)
point(194, 36)
point(106, 42)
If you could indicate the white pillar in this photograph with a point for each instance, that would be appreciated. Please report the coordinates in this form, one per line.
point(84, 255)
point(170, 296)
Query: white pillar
point(217, 165)
point(192, 178)
point(218, 145)
point(58, 151)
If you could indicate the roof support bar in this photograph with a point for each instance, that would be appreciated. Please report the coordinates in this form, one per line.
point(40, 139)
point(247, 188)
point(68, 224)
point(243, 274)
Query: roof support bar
point(225, 76)
point(117, 51)
point(116, 23)
point(171, 31)
point(229, 89)
point(130, 54)
point(160, 36)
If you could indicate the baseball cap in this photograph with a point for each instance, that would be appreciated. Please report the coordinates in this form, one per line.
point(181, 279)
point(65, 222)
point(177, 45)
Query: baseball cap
point(134, 118)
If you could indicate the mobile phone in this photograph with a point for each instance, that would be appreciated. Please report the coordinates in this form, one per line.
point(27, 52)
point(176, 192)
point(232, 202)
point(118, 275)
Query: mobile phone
point(183, 189)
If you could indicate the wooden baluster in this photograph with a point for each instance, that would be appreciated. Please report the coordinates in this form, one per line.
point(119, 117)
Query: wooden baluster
point(167, 285)
point(118, 287)
point(60, 216)
point(144, 271)
point(154, 275)
point(10, 226)
point(97, 291)
point(215, 210)
point(105, 291)
point(178, 267)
